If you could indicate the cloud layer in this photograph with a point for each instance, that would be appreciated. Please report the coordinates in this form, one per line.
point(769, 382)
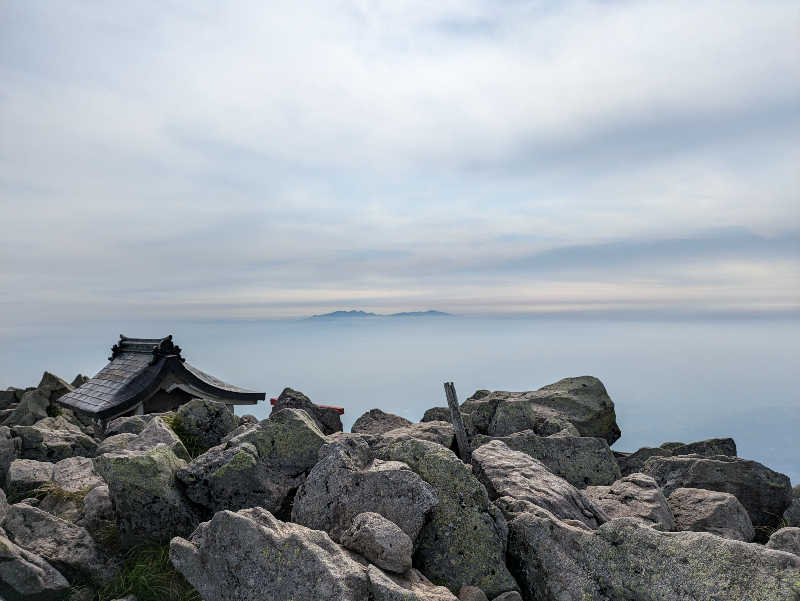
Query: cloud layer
point(270, 159)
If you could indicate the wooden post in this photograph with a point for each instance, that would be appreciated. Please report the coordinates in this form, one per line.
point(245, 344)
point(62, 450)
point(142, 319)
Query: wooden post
point(464, 450)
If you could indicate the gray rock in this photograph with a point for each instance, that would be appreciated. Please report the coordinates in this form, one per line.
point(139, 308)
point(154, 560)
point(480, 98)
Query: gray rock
point(623, 560)
point(54, 439)
point(580, 460)
point(785, 539)
point(380, 541)
point(582, 402)
point(509, 596)
point(347, 482)
point(72, 480)
point(97, 512)
point(53, 387)
point(510, 473)
point(132, 424)
point(411, 586)
point(439, 432)
point(147, 501)
point(719, 513)
point(158, 432)
point(3, 506)
point(635, 496)
point(79, 381)
point(436, 414)
point(10, 449)
point(471, 593)
point(327, 420)
point(292, 562)
point(633, 463)
point(26, 476)
point(24, 576)
point(764, 493)
point(707, 448)
point(67, 547)
point(376, 422)
point(671, 446)
point(263, 466)
point(30, 410)
point(7, 398)
point(203, 423)
point(463, 540)
point(792, 514)
point(115, 443)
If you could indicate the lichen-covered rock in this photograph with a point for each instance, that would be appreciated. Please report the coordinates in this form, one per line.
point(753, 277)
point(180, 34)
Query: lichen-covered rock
point(115, 443)
point(204, 423)
point(514, 474)
point(147, 501)
point(290, 561)
point(376, 422)
point(131, 424)
point(463, 540)
point(764, 493)
point(411, 586)
point(509, 596)
point(580, 460)
point(716, 512)
point(441, 433)
point(471, 593)
point(327, 419)
point(54, 439)
point(24, 576)
point(623, 560)
point(3, 506)
point(26, 476)
point(30, 409)
point(635, 496)
point(632, 463)
point(71, 481)
point(707, 448)
point(53, 387)
point(10, 449)
point(436, 414)
point(158, 432)
point(380, 541)
point(97, 512)
point(263, 466)
point(792, 514)
point(347, 481)
point(785, 539)
point(69, 548)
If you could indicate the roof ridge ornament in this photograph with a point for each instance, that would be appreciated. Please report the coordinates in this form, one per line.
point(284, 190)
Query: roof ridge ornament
point(158, 347)
point(166, 348)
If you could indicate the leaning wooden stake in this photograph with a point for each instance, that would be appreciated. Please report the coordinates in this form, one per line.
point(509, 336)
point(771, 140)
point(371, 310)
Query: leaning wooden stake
point(464, 449)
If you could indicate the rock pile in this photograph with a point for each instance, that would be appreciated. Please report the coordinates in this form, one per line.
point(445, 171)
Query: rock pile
point(291, 507)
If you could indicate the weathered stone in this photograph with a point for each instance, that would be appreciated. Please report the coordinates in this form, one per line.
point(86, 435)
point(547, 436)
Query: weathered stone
point(69, 548)
point(97, 512)
point(263, 466)
point(510, 473)
point(115, 443)
point(53, 387)
point(471, 593)
point(764, 493)
point(30, 410)
point(436, 414)
point(792, 514)
point(719, 513)
point(509, 596)
point(291, 562)
point(635, 496)
point(439, 432)
point(411, 586)
point(347, 482)
point(7, 398)
point(26, 476)
point(79, 381)
point(623, 560)
point(147, 501)
point(54, 439)
point(24, 576)
point(203, 423)
point(158, 432)
point(580, 460)
point(671, 446)
point(785, 539)
point(376, 422)
point(380, 541)
point(132, 424)
point(3, 506)
point(327, 420)
point(72, 480)
point(463, 540)
point(707, 448)
point(632, 463)
point(10, 449)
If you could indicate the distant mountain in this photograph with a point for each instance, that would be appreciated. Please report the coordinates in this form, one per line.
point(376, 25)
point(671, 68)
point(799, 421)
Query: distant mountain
point(355, 314)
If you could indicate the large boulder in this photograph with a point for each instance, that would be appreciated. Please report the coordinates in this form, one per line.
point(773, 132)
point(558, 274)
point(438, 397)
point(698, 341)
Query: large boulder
point(510, 473)
point(54, 439)
point(463, 540)
point(632, 463)
point(26, 477)
point(10, 449)
point(69, 548)
point(707, 448)
point(380, 541)
point(31, 409)
point(203, 423)
point(785, 539)
point(347, 482)
point(441, 433)
point(622, 560)
point(79, 381)
point(72, 480)
point(115, 443)
point(376, 422)
point(53, 387)
point(263, 466)
point(436, 414)
point(144, 491)
point(327, 419)
point(25, 576)
point(129, 424)
point(764, 493)
point(636, 496)
point(97, 513)
point(155, 433)
point(411, 586)
point(580, 460)
point(711, 511)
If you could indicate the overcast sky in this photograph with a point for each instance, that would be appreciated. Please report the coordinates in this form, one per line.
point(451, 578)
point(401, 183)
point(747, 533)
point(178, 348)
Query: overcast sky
point(267, 159)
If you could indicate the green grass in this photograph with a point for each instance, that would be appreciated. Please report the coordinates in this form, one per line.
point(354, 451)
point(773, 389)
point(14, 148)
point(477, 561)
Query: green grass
point(192, 443)
point(148, 574)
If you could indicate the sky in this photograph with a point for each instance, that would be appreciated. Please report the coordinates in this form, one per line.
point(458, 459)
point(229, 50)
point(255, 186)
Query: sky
point(222, 160)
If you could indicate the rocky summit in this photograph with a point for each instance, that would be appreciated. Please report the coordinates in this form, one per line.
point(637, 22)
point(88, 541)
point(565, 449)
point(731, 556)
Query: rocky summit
point(201, 504)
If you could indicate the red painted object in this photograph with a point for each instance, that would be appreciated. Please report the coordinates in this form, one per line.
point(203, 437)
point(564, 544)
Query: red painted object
point(339, 410)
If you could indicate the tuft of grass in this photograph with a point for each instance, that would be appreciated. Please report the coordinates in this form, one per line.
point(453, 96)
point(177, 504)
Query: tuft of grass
point(48, 489)
point(53, 410)
point(148, 574)
point(193, 445)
